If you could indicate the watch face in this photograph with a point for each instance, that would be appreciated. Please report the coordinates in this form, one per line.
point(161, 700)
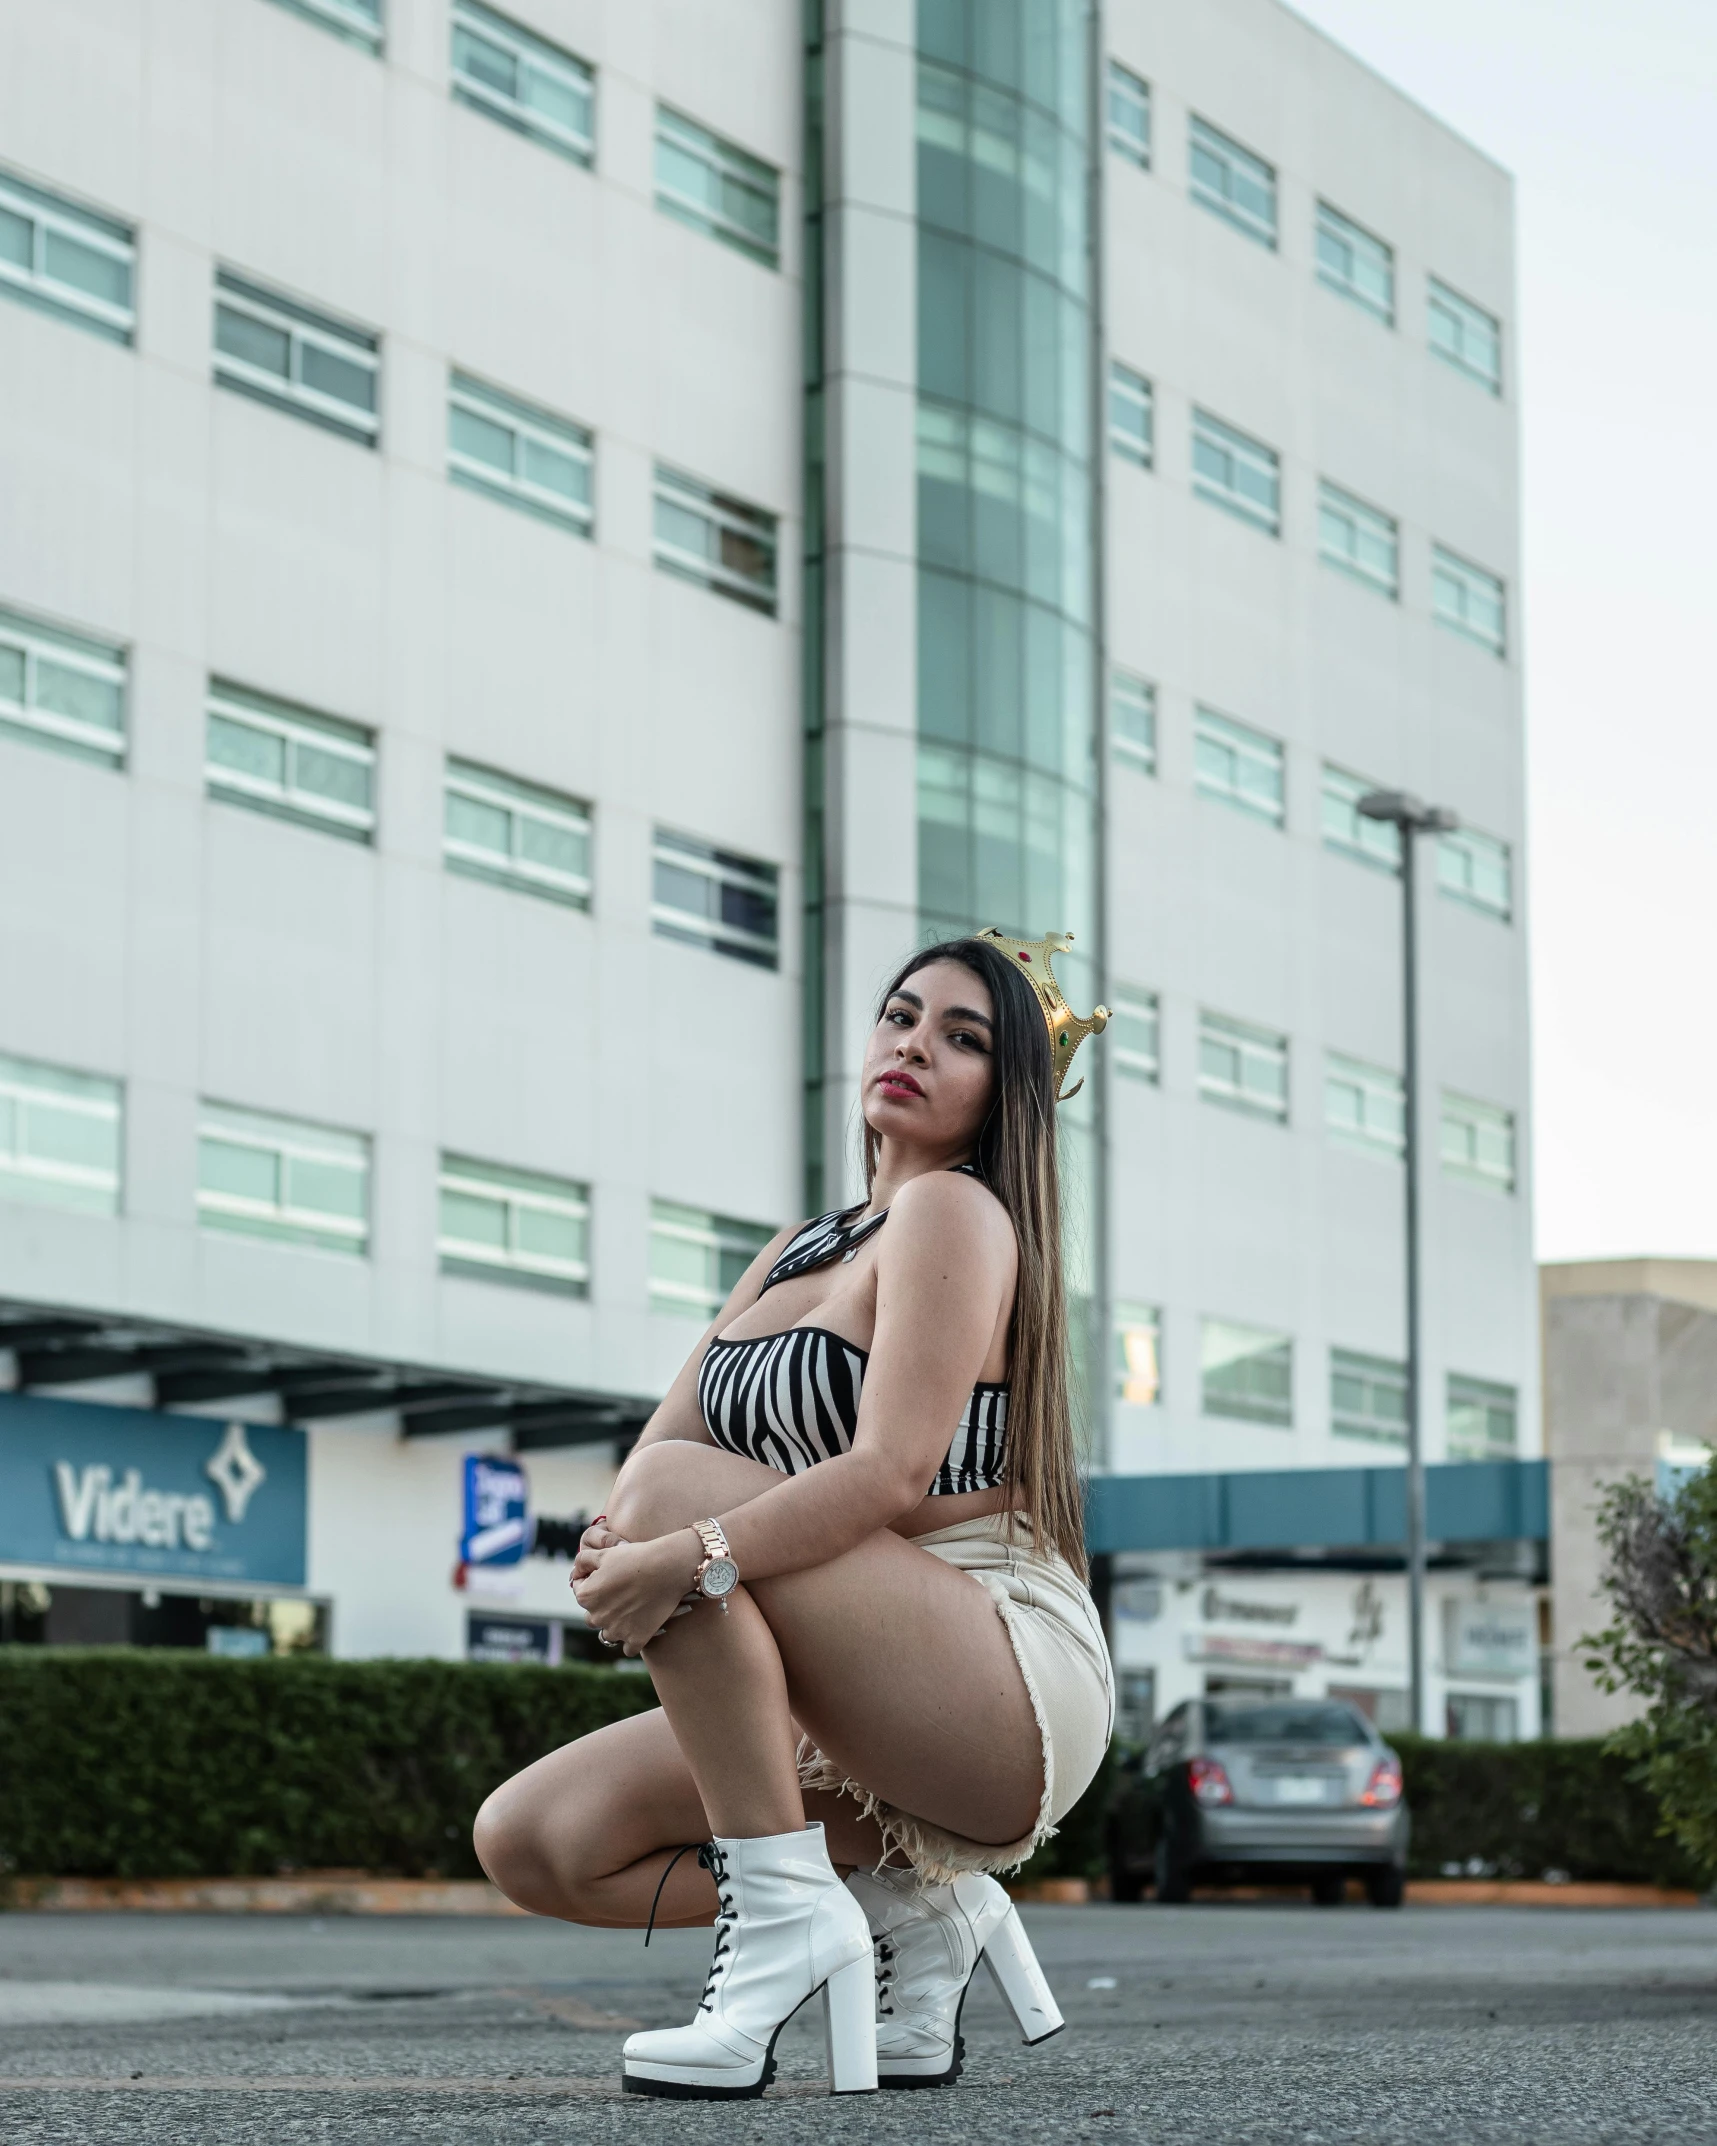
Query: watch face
point(720, 1576)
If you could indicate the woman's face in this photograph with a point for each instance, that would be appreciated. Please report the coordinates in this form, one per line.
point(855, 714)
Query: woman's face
point(929, 1072)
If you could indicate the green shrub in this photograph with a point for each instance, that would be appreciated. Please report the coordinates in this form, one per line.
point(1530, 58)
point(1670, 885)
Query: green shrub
point(116, 1763)
point(1577, 1809)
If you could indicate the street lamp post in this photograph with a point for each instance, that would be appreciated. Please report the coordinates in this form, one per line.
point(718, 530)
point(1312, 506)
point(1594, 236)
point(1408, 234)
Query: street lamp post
point(1411, 817)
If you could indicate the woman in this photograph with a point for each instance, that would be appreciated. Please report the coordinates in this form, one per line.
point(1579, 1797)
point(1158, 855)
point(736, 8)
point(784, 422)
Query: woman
point(837, 1696)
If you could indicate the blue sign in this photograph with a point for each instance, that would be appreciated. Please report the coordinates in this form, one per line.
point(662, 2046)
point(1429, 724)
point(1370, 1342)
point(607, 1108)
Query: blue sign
point(497, 1529)
point(138, 1491)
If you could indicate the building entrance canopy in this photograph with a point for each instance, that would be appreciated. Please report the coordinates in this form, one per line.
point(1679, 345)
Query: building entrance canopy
point(1318, 1510)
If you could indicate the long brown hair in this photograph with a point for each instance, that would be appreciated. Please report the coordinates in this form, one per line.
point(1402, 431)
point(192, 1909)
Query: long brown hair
point(1015, 1152)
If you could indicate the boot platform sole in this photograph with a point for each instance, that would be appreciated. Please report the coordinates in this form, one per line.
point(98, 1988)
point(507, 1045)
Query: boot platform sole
point(684, 2089)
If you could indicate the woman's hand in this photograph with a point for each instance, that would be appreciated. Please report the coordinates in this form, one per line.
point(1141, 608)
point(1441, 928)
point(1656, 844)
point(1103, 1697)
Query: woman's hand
point(598, 1536)
point(635, 1587)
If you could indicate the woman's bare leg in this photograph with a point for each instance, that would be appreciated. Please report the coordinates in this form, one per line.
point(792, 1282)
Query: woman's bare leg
point(587, 1832)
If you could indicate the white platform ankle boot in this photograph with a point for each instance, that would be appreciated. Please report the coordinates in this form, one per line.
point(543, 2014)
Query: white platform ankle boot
point(787, 1928)
point(929, 1940)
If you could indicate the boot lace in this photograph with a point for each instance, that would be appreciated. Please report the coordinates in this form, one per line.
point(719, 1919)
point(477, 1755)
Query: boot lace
point(712, 1859)
point(884, 1949)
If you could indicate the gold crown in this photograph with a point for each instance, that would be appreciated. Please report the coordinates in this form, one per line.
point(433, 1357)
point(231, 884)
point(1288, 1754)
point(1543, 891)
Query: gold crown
point(1066, 1031)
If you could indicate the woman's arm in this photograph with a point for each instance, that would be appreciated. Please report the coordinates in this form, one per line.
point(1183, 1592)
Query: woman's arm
point(945, 1273)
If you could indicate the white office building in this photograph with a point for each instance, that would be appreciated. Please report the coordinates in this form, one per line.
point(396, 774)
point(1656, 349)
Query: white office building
point(540, 550)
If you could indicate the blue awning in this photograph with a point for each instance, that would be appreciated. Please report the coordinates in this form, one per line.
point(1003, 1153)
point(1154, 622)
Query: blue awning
point(1317, 1508)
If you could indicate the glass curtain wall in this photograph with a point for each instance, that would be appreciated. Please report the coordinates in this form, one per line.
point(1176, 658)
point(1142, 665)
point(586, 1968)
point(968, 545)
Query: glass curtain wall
point(812, 687)
point(1007, 581)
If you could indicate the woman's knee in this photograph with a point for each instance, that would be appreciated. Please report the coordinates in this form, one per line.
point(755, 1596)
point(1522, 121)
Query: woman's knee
point(651, 1497)
point(508, 1839)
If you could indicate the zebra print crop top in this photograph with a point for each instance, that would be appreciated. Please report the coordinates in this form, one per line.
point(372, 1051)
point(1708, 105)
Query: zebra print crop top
point(792, 1399)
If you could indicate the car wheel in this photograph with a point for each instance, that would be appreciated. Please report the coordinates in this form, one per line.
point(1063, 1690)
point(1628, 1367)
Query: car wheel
point(1174, 1877)
point(1386, 1888)
point(1330, 1890)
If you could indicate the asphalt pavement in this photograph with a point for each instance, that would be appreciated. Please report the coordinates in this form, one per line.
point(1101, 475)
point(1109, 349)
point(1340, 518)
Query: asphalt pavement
point(1227, 2024)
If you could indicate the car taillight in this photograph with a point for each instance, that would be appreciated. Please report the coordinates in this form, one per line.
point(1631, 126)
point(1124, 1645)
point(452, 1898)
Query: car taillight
point(1383, 1790)
point(1210, 1782)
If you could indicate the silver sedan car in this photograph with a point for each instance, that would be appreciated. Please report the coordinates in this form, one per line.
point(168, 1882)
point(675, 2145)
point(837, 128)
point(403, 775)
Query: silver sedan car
point(1273, 1791)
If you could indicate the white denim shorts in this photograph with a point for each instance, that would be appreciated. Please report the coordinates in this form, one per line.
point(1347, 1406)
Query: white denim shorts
point(1058, 1642)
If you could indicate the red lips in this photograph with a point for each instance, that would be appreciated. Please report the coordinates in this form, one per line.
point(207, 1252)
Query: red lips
point(901, 1083)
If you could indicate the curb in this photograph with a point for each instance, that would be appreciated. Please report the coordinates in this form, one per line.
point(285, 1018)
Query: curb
point(325, 1892)
point(342, 1892)
point(1421, 1892)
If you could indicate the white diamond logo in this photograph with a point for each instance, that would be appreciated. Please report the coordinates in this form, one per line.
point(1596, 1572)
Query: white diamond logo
point(236, 1471)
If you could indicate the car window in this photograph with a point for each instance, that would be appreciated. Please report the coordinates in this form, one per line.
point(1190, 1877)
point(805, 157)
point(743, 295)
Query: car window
point(1285, 1722)
point(1168, 1743)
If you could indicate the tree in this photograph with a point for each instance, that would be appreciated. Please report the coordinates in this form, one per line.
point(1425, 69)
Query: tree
point(1661, 1579)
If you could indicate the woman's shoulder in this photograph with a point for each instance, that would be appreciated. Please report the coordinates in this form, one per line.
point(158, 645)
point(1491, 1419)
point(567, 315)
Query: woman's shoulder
point(954, 1205)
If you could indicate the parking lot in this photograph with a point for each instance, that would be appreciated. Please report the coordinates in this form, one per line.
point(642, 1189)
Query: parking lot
point(1224, 2022)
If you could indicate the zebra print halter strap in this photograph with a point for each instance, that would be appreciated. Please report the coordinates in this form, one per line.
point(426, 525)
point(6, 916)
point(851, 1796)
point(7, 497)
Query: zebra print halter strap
point(836, 1235)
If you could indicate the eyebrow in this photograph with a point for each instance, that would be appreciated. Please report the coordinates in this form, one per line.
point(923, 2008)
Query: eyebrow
point(950, 1013)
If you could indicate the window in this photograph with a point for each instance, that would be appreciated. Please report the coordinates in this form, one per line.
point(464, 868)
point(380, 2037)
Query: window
point(522, 455)
point(716, 188)
point(708, 897)
point(1476, 869)
point(515, 835)
point(358, 21)
point(697, 1258)
point(1467, 600)
point(60, 1136)
point(285, 355)
point(1365, 1106)
point(1129, 115)
point(59, 690)
point(66, 260)
point(277, 1177)
point(1239, 765)
point(1233, 183)
point(1248, 1373)
point(1478, 1142)
point(1367, 1397)
point(1467, 336)
point(500, 1225)
point(1138, 1354)
point(275, 758)
point(1134, 1024)
point(523, 82)
point(1243, 1067)
point(1133, 721)
point(716, 541)
point(1235, 472)
point(1480, 1717)
point(1357, 265)
point(1132, 424)
point(1481, 1420)
point(1358, 539)
point(1345, 826)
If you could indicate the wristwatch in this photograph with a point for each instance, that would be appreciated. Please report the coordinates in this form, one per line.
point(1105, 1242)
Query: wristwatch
point(718, 1575)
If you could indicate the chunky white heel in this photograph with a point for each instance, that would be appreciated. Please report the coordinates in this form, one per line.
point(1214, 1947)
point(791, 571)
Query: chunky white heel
point(928, 1942)
point(849, 2022)
point(787, 1928)
point(1013, 1968)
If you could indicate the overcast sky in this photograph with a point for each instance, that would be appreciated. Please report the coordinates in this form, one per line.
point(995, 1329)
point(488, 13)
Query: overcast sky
point(1606, 113)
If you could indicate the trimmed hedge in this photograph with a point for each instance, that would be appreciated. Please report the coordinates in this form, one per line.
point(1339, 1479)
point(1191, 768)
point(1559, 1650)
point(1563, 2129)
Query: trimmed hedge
point(154, 1764)
point(1574, 1809)
point(1566, 1809)
point(165, 1764)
